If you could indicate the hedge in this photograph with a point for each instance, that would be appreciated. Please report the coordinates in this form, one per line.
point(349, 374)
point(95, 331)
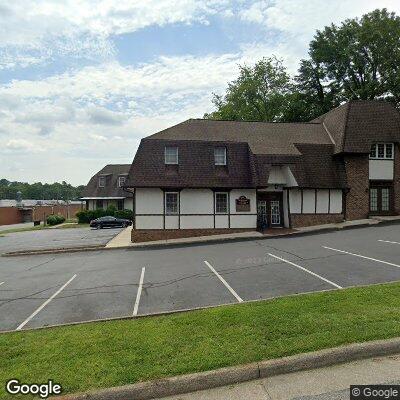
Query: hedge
point(54, 219)
point(84, 217)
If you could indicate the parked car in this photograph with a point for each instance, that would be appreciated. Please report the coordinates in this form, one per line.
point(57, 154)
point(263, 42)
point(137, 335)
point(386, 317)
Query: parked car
point(107, 222)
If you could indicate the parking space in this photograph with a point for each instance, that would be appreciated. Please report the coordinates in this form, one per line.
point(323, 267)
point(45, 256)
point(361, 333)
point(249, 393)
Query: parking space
point(55, 238)
point(54, 289)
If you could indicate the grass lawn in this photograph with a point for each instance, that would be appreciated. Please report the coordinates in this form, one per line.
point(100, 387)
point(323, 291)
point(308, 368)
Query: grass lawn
point(105, 354)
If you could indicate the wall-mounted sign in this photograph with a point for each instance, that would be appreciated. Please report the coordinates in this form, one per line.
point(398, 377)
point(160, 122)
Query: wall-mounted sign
point(242, 204)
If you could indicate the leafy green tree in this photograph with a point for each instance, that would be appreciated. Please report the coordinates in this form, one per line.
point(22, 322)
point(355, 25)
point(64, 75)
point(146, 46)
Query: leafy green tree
point(259, 93)
point(359, 59)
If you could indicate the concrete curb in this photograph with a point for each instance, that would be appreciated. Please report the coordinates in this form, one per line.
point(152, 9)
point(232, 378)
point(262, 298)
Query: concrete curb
point(242, 373)
point(155, 246)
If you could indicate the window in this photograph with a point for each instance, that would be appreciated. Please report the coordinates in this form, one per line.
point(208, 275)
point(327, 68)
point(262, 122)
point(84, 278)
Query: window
point(382, 151)
point(221, 203)
point(120, 204)
point(121, 181)
point(385, 199)
point(171, 155)
point(171, 203)
point(220, 155)
point(373, 199)
point(389, 150)
point(102, 181)
point(99, 204)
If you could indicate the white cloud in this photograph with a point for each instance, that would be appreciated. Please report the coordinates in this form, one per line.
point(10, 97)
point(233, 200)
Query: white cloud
point(21, 146)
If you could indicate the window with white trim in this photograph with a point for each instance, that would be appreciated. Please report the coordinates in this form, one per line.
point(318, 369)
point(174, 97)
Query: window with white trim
point(102, 181)
point(171, 155)
point(381, 151)
point(171, 203)
point(221, 203)
point(121, 181)
point(220, 155)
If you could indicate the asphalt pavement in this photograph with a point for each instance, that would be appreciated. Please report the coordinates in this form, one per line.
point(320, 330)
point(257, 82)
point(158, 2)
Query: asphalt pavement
point(55, 238)
point(42, 290)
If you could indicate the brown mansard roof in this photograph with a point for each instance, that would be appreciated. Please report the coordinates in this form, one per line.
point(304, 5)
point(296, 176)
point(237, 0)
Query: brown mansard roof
point(310, 149)
point(111, 189)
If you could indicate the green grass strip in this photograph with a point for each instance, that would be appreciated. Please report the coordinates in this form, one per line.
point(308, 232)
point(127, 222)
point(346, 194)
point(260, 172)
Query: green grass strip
point(105, 354)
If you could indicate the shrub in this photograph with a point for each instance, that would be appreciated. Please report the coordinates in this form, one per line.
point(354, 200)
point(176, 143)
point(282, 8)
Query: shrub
point(84, 217)
point(125, 214)
point(55, 219)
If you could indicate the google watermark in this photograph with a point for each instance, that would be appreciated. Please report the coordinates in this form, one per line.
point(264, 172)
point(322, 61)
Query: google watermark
point(375, 392)
point(43, 390)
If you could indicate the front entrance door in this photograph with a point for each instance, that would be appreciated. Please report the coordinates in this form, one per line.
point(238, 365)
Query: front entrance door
point(269, 210)
point(380, 199)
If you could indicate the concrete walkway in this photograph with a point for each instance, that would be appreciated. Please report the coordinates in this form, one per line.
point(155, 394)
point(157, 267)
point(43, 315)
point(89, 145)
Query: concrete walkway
point(325, 383)
point(124, 238)
point(16, 226)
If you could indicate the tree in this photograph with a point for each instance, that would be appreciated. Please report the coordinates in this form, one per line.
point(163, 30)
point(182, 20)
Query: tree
point(360, 59)
point(259, 93)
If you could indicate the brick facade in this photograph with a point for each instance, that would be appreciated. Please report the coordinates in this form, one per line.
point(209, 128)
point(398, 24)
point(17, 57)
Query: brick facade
point(298, 220)
point(357, 176)
point(147, 235)
point(396, 179)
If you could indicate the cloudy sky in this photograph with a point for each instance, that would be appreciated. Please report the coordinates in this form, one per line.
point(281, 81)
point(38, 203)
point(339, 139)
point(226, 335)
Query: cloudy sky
point(81, 81)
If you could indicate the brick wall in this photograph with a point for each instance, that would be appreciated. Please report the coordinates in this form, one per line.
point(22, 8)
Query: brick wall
point(10, 215)
point(146, 235)
point(298, 220)
point(357, 175)
point(396, 179)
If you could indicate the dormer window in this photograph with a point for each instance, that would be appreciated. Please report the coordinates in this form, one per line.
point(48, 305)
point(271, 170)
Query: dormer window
point(121, 181)
point(171, 155)
point(102, 181)
point(381, 151)
point(220, 155)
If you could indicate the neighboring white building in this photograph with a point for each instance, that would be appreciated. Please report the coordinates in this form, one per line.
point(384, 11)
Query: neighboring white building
point(107, 188)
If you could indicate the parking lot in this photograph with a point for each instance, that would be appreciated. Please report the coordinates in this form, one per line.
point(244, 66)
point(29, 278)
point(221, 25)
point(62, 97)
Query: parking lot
point(55, 238)
point(44, 290)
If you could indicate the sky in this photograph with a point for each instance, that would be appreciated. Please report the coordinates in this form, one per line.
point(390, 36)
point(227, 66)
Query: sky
point(82, 81)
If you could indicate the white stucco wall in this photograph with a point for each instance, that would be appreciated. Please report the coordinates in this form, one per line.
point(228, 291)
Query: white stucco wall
point(171, 222)
point(336, 202)
point(322, 201)
point(381, 169)
point(249, 193)
point(149, 222)
point(195, 222)
point(295, 201)
point(308, 201)
point(197, 201)
point(221, 221)
point(149, 201)
point(328, 201)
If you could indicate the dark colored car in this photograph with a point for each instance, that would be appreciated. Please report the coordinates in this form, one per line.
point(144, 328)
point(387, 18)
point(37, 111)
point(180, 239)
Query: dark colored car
point(108, 222)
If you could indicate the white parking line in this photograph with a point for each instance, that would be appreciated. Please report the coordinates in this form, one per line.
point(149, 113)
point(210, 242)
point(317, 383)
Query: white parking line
point(388, 241)
point(45, 303)
point(1, 283)
point(139, 293)
point(238, 298)
point(306, 270)
point(361, 256)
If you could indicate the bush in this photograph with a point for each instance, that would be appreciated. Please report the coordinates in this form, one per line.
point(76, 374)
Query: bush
point(124, 214)
point(55, 219)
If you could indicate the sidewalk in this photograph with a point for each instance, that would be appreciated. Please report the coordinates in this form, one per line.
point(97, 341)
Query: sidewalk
point(124, 238)
point(325, 383)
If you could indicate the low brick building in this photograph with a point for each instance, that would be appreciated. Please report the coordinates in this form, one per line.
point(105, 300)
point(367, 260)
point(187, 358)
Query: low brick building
point(224, 175)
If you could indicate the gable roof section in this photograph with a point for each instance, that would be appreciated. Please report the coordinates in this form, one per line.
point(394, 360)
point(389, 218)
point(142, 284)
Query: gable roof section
point(196, 165)
point(262, 137)
point(354, 126)
point(111, 189)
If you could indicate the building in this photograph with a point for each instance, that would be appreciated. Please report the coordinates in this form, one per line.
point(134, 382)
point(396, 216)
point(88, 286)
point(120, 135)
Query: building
point(15, 212)
point(203, 175)
point(106, 188)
